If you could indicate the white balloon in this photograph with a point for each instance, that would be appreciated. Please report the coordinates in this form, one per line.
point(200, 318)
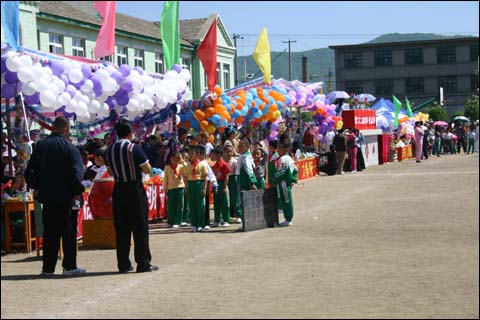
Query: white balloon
point(75, 65)
point(26, 61)
point(177, 119)
point(171, 96)
point(47, 98)
point(66, 97)
point(185, 75)
point(82, 108)
point(29, 88)
point(171, 75)
point(58, 84)
point(13, 63)
point(134, 74)
point(87, 87)
point(111, 69)
point(137, 85)
point(66, 66)
point(133, 105)
point(102, 75)
point(25, 74)
point(48, 71)
point(162, 102)
point(75, 75)
point(37, 70)
point(149, 104)
point(103, 97)
point(148, 91)
point(72, 106)
point(109, 86)
point(94, 106)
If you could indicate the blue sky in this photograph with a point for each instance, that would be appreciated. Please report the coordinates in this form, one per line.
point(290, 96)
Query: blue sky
point(322, 23)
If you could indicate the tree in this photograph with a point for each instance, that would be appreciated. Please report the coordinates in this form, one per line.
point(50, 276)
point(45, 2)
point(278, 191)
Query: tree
point(456, 114)
point(471, 108)
point(436, 112)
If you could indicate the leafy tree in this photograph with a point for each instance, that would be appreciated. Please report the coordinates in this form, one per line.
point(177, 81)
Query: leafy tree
point(471, 108)
point(456, 114)
point(437, 112)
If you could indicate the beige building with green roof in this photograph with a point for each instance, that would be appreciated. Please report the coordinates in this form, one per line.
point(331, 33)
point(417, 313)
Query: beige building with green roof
point(71, 28)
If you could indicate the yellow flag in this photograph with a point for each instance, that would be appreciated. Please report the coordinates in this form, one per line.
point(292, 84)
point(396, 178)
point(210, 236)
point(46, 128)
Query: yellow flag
point(261, 55)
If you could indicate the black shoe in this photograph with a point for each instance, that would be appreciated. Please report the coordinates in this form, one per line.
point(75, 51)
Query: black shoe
point(148, 269)
point(126, 270)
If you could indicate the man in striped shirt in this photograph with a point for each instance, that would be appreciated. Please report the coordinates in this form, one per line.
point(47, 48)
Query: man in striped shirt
point(126, 161)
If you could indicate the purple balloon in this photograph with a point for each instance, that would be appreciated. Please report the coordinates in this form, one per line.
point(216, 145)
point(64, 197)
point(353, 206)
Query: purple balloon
point(4, 65)
point(140, 70)
point(79, 85)
point(8, 90)
point(125, 70)
point(117, 76)
point(177, 68)
point(122, 98)
point(57, 67)
point(33, 99)
point(127, 86)
point(98, 91)
point(11, 77)
point(179, 96)
point(86, 70)
point(110, 102)
point(61, 109)
point(96, 83)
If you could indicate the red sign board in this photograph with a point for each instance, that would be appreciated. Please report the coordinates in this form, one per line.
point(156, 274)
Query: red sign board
point(360, 119)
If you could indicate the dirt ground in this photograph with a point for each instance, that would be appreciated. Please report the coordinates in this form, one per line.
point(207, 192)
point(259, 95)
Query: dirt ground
point(395, 241)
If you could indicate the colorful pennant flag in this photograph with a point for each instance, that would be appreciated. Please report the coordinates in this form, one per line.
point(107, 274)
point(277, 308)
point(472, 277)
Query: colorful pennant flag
point(170, 34)
point(207, 53)
point(105, 45)
point(398, 105)
point(261, 55)
point(11, 23)
point(409, 108)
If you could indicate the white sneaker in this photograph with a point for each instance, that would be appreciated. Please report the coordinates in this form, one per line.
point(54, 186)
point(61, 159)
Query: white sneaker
point(239, 220)
point(183, 224)
point(285, 224)
point(206, 228)
point(175, 226)
point(74, 272)
point(199, 229)
point(225, 224)
point(355, 171)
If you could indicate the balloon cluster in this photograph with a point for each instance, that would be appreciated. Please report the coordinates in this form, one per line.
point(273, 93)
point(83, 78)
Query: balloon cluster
point(216, 110)
point(74, 88)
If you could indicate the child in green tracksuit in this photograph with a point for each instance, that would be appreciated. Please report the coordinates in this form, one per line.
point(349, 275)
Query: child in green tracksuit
point(196, 173)
point(175, 187)
point(233, 192)
point(272, 162)
point(245, 166)
point(285, 176)
point(221, 204)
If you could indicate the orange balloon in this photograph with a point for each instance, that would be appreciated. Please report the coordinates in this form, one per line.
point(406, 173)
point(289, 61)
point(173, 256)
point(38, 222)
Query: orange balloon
point(204, 125)
point(239, 120)
point(200, 115)
point(221, 129)
point(262, 106)
point(218, 91)
point(209, 112)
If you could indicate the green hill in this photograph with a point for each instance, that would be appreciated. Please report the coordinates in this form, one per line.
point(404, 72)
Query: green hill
point(398, 37)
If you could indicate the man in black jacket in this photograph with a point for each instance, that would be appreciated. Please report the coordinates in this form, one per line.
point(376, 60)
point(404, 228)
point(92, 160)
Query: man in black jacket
point(340, 143)
point(55, 172)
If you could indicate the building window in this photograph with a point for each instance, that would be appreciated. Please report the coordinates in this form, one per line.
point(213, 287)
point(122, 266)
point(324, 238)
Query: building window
point(474, 52)
point(107, 58)
point(159, 63)
point(446, 55)
point(55, 43)
point(354, 87)
point(414, 56)
point(78, 47)
point(218, 75)
point(122, 55)
point(414, 85)
point(186, 63)
point(474, 82)
point(226, 76)
point(138, 58)
point(383, 58)
point(353, 59)
point(384, 87)
point(449, 84)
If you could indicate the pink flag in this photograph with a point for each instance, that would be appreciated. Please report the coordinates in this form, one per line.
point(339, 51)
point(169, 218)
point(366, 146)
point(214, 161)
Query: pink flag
point(106, 37)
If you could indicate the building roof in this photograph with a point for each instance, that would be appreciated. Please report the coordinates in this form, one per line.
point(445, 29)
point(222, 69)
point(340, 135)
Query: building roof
point(405, 43)
point(83, 11)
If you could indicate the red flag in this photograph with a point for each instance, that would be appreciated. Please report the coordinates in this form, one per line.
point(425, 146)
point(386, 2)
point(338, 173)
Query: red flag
point(207, 53)
point(105, 45)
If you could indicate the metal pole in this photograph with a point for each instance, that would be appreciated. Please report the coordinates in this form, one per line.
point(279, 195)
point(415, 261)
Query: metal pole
point(289, 58)
point(235, 37)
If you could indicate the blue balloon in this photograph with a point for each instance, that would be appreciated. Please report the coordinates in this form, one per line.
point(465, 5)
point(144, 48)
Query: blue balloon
point(216, 119)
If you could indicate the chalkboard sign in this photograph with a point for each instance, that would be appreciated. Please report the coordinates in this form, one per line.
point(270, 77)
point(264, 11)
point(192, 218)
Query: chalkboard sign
point(260, 209)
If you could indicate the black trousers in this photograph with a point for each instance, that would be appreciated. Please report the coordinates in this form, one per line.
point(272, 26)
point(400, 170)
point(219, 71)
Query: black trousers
point(130, 215)
point(59, 221)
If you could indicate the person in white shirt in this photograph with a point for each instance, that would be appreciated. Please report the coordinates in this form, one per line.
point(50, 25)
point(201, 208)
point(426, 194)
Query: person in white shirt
point(329, 139)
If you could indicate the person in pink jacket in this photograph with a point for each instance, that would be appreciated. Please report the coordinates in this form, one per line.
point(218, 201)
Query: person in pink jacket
point(418, 141)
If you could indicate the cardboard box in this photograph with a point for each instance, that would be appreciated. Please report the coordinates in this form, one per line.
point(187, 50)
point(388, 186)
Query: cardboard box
point(99, 234)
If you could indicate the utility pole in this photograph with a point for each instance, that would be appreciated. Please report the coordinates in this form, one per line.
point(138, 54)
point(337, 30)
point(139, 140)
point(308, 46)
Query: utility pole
point(304, 69)
point(289, 58)
point(235, 37)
